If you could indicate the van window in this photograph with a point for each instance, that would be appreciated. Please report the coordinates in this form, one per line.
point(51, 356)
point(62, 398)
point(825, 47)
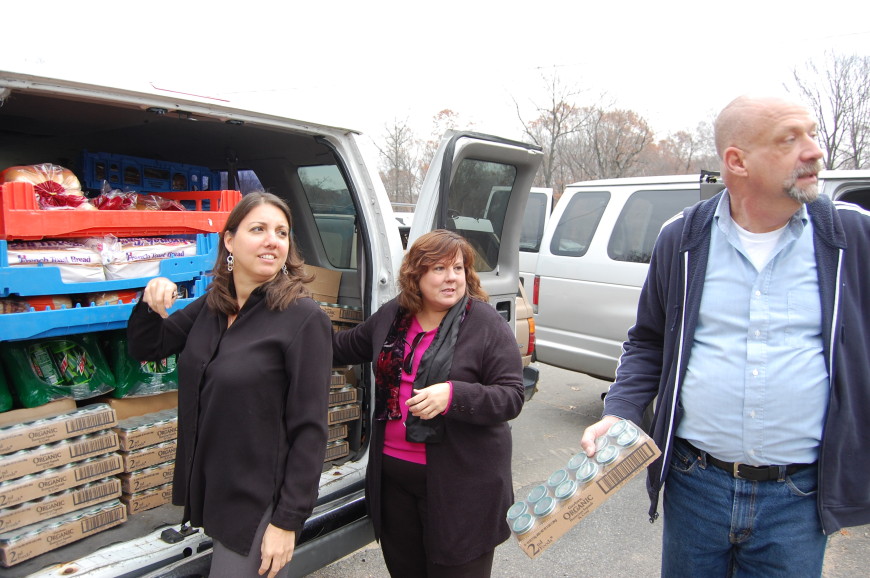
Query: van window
point(578, 223)
point(246, 181)
point(533, 223)
point(640, 221)
point(334, 212)
point(477, 206)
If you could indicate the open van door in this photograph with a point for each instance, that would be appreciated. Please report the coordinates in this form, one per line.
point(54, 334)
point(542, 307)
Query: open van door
point(478, 185)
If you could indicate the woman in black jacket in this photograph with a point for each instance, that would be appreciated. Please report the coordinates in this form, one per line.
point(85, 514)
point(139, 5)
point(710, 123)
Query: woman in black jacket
point(448, 377)
point(254, 359)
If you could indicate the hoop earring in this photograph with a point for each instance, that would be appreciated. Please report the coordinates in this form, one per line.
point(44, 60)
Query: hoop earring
point(230, 262)
point(284, 269)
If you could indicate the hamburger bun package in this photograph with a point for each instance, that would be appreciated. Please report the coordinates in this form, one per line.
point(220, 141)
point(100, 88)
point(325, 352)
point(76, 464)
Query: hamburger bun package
point(55, 186)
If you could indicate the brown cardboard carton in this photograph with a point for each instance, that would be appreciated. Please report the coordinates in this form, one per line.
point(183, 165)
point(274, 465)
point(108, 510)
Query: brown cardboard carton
point(135, 406)
point(72, 423)
point(149, 456)
point(343, 396)
point(30, 541)
point(147, 478)
point(342, 314)
point(60, 503)
point(57, 454)
point(147, 430)
point(52, 481)
point(51, 408)
point(141, 501)
point(343, 413)
point(589, 495)
point(324, 288)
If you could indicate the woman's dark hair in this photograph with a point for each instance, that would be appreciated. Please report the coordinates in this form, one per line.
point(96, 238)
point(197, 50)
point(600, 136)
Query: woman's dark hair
point(435, 247)
point(280, 291)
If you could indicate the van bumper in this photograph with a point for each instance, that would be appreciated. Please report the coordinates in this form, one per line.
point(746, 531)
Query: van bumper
point(530, 381)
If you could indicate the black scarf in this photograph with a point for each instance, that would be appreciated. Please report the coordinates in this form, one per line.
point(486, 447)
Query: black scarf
point(434, 368)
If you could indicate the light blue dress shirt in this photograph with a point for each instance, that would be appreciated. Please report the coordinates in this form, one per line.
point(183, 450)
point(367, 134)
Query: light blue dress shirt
point(756, 389)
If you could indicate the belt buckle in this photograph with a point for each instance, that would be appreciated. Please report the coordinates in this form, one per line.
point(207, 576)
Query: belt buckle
point(736, 470)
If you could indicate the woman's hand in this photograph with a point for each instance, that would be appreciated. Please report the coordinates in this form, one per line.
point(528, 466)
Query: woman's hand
point(160, 294)
point(276, 550)
point(431, 401)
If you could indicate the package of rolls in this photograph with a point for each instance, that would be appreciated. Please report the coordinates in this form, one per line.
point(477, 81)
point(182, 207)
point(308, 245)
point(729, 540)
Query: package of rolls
point(56, 187)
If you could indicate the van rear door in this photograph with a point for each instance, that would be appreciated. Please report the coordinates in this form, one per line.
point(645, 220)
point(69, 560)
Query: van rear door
point(465, 191)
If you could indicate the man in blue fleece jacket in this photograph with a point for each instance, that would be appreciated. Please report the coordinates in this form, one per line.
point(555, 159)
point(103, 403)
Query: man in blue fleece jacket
point(752, 335)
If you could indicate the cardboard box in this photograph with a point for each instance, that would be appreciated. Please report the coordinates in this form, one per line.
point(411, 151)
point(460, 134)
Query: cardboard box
point(72, 423)
point(31, 541)
point(60, 503)
point(343, 413)
point(337, 380)
point(336, 449)
point(52, 481)
point(147, 430)
point(149, 456)
point(343, 396)
point(588, 496)
point(135, 406)
point(147, 478)
point(57, 454)
point(343, 313)
point(141, 501)
point(324, 288)
point(336, 432)
point(52, 408)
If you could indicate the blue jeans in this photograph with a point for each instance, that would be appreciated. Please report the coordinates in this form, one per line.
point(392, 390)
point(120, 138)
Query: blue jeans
point(718, 525)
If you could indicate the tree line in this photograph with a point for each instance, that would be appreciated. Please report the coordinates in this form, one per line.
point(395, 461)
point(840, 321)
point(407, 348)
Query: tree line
point(595, 141)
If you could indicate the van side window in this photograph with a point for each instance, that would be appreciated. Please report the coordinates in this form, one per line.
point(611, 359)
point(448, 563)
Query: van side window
point(533, 223)
point(334, 212)
point(642, 217)
point(578, 223)
point(477, 206)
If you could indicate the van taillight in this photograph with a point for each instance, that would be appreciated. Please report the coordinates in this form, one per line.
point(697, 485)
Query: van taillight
point(531, 349)
point(536, 288)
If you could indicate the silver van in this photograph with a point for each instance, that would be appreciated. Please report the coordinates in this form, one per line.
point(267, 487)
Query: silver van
point(535, 219)
point(595, 254)
point(343, 224)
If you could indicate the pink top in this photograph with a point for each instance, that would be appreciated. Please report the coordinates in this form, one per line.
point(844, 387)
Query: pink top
point(395, 444)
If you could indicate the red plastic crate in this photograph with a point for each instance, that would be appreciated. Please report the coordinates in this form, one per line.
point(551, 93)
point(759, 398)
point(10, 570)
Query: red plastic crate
point(22, 219)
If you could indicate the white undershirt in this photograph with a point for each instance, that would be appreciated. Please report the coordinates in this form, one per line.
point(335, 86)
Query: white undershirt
point(758, 246)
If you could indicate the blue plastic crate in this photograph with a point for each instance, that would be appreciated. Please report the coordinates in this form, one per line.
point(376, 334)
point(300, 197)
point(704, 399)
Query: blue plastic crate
point(144, 175)
point(59, 322)
point(46, 280)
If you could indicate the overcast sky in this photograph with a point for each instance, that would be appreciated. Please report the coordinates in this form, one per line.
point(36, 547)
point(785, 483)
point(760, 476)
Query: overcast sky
point(362, 64)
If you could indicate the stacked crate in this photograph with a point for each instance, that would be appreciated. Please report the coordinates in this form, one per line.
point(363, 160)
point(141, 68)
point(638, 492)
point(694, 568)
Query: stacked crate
point(345, 407)
point(148, 445)
point(57, 481)
point(80, 469)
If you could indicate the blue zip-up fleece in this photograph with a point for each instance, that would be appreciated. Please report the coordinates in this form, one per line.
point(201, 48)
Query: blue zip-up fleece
point(656, 354)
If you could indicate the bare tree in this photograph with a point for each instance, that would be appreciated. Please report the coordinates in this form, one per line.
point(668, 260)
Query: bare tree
point(682, 152)
point(611, 144)
point(398, 162)
point(837, 91)
point(557, 119)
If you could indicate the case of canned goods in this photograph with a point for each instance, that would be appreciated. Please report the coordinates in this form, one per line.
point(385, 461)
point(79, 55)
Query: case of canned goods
point(573, 492)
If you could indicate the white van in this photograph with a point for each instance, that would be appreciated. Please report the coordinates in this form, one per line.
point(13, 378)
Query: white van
point(595, 254)
point(535, 219)
point(343, 223)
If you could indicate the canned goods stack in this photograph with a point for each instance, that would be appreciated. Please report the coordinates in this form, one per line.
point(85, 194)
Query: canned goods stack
point(572, 492)
point(56, 471)
point(148, 444)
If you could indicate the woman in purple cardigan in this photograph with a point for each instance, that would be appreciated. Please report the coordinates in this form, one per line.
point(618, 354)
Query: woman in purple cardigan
point(448, 378)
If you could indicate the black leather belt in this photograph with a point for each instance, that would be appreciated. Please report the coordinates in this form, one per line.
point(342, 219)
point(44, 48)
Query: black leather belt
point(747, 472)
